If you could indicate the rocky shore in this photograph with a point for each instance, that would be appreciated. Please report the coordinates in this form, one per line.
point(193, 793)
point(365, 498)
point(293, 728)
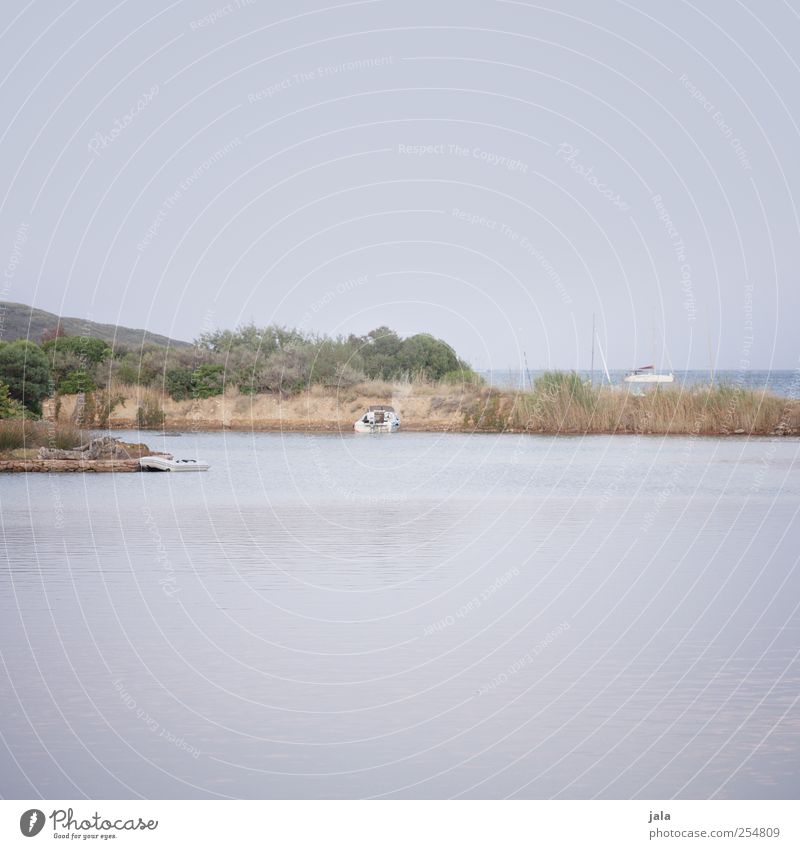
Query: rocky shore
point(69, 465)
point(104, 454)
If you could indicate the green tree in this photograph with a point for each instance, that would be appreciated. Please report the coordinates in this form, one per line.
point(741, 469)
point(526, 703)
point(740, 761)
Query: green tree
point(425, 355)
point(76, 381)
point(88, 350)
point(76, 362)
point(208, 380)
point(379, 351)
point(178, 383)
point(25, 370)
point(9, 408)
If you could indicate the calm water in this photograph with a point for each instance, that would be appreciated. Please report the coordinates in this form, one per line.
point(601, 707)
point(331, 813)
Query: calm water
point(415, 615)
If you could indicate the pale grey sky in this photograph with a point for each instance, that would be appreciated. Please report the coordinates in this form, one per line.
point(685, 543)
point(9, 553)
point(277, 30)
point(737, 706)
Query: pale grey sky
point(491, 172)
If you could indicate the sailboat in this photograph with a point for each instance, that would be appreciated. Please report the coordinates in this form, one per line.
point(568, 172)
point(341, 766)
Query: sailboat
point(596, 338)
point(648, 374)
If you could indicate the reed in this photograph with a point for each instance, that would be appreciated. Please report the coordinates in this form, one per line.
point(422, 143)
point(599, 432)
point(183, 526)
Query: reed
point(561, 403)
point(25, 433)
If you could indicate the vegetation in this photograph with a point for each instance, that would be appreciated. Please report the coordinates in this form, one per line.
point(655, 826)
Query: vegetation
point(250, 359)
point(280, 361)
point(25, 433)
point(25, 371)
point(562, 403)
point(275, 359)
point(9, 407)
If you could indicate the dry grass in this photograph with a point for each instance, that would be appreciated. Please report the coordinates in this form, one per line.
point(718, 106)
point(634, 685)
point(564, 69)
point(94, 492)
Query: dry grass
point(562, 404)
point(559, 403)
point(24, 433)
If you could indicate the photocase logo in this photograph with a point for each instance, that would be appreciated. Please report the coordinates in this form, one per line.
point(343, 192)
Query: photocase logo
point(31, 822)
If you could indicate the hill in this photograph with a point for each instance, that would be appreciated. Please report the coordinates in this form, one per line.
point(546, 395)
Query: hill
point(19, 321)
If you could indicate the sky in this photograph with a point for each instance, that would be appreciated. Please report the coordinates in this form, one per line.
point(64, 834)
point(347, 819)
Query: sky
point(495, 173)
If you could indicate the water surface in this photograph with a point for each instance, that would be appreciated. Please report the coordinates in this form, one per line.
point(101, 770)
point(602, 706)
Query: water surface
point(414, 615)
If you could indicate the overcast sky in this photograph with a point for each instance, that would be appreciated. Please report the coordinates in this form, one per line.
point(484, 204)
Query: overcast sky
point(490, 172)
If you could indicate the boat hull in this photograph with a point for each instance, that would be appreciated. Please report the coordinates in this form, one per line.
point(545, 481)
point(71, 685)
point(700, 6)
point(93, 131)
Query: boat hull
point(649, 378)
point(163, 464)
point(386, 427)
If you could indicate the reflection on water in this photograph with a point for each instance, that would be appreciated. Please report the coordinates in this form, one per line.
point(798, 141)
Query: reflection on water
point(414, 615)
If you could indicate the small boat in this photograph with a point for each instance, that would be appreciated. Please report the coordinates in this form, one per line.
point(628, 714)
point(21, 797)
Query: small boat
point(647, 374)
point(167, 464)
point(378, 419)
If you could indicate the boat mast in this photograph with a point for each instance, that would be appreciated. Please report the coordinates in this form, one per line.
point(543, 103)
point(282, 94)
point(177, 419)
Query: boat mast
point(591, 373)
point(527, 370)
point(605, 364)
point(710, 353)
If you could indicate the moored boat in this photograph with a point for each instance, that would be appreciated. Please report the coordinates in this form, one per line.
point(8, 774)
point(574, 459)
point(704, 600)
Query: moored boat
point(647, 374)
point(379, 418)
point(167, 464)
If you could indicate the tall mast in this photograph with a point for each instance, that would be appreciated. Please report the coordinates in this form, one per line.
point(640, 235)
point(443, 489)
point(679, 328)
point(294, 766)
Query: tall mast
point(591, 373)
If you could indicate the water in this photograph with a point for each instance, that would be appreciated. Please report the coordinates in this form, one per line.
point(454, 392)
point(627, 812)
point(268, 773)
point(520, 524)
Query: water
point(415, 615)
point(784, 382)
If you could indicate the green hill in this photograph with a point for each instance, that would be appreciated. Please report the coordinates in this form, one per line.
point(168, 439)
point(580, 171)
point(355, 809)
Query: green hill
point(18, 321)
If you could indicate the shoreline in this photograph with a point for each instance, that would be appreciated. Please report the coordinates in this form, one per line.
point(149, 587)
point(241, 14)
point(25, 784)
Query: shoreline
point(564, 406)
point(293, 427)
point(11, 466)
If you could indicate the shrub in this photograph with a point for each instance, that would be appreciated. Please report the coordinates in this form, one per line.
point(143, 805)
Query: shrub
point(149, 414)
point(178, 383)
point(208, 380)
point(100, 405)
point(9, 407)
point(26, 372)
point(76, 381)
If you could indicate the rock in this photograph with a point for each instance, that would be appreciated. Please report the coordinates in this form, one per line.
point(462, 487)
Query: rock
point(69, 466)
point(103, 447)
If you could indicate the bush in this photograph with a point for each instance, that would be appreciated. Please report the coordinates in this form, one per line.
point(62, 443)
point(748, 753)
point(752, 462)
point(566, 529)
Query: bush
point(208, 380)
point(9, 408)
point(149, 414)
point(26, 372)
point(100, 405)
point(425, 356)
point(178, 383)
point(88, 350)
point(76, 381)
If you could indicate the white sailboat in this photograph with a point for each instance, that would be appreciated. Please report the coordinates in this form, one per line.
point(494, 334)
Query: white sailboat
point(648, 374)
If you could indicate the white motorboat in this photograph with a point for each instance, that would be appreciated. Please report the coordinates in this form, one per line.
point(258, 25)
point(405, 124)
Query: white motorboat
point(378, 419)
point(167, 464)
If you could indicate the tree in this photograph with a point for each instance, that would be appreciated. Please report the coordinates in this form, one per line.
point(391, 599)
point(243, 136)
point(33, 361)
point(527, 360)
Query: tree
point(76, 362)
point(9, 408)
point(425, 355)
point(26, 372)
point(76, 381)
point(178, 383)
point(379, 352)
point(208, 380)
point(88, 350)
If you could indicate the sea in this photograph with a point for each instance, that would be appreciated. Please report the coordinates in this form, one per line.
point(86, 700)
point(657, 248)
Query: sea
point(410, 615)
